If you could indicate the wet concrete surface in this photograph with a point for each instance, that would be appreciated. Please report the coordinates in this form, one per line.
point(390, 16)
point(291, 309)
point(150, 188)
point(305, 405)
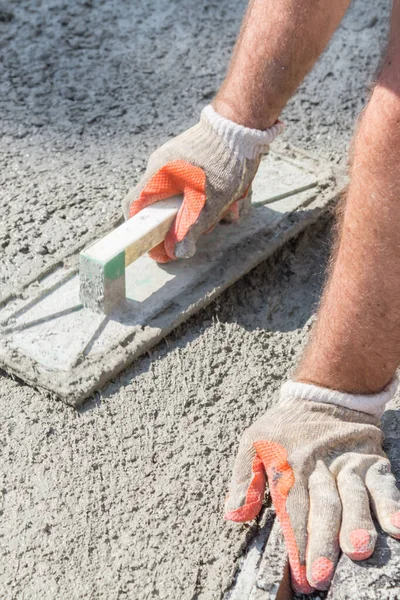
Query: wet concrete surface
point(123, 498)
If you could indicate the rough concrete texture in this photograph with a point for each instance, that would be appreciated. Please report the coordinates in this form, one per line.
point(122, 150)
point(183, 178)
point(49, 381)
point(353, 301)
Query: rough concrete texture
point(123, 499)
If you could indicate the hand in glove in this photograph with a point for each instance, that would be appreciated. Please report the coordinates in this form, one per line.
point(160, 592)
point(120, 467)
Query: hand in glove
point(321, 451)
point(213, 165)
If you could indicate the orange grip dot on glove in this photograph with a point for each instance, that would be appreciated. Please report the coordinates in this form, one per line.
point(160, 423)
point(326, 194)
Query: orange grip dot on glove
point(322, 571)
point(176, 177)
point(361, 540)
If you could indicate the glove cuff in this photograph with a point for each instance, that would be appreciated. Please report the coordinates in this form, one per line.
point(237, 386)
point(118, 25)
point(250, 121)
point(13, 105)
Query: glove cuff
point(249, 143)
point(372, 404)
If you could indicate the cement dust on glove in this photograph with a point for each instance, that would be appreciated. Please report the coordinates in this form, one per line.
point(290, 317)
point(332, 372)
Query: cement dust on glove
point(213, 165)
point(326, 469)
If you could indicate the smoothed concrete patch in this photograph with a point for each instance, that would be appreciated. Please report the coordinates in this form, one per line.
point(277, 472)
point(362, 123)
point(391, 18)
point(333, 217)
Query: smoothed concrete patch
point(50, 340)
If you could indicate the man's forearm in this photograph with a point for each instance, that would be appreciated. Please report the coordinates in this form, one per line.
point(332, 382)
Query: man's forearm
point(355, 344)
point(279, 43)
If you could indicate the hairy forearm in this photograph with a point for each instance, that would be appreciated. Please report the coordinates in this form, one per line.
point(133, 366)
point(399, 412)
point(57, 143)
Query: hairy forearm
point(279, 43)
point(355, 343)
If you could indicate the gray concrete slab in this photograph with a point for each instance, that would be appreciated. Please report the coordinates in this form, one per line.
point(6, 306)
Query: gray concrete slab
point(49, 339)
point(123, 499)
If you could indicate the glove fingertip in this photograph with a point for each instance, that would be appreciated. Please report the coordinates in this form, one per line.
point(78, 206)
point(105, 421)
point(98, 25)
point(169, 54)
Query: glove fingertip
point(159, 254)
point(248, 512)
point(322, 570)
point(299, 581)
point(244, 504)
point(184, 249)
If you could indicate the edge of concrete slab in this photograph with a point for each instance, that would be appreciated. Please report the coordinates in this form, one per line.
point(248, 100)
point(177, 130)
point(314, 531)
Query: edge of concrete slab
point(263, 573)
point(243, 584)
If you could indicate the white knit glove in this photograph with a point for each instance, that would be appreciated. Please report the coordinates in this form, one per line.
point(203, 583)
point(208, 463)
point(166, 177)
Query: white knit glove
point(213, 165)
point(321, 451)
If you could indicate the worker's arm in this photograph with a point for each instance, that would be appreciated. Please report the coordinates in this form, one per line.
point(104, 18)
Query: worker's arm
point(213, 163)
point(279, 43)
point(321, 448)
